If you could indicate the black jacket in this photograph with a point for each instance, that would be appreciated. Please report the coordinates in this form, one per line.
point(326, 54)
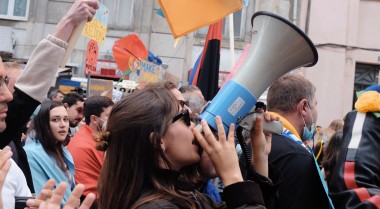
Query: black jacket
point(239, 195)
point(300, 186)
point(245, 194)
point(355, 182)
point(19, 111)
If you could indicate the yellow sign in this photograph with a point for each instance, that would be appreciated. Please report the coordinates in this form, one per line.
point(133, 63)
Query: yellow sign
point(101, 87)
point(97, 28)
point(66, 89)
point(149, 73)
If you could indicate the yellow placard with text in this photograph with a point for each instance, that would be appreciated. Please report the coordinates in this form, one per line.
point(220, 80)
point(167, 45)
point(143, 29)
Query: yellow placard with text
point(101, 87)
point(96, 29)
point(149, 72)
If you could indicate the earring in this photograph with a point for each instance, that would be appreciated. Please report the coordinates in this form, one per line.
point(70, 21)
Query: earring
point(163, 149)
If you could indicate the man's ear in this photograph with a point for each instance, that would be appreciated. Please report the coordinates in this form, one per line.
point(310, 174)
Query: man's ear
point(302, 107)
point(94, 119)
point(66, 105)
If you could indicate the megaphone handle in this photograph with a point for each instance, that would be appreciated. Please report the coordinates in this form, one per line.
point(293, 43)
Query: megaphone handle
point(274, 127)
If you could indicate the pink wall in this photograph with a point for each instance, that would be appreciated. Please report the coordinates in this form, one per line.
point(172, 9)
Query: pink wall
point(346, 23)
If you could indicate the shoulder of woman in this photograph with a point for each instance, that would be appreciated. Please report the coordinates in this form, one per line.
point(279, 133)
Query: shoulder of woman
point(33, 146)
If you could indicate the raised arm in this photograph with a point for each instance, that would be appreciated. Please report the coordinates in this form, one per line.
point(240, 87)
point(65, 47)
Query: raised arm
point(32, 86)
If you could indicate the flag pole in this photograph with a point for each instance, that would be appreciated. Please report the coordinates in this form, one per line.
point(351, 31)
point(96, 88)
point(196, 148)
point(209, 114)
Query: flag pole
point(232, 39)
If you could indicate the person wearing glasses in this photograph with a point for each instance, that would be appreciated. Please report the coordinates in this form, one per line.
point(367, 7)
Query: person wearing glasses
point(175, 91)
point(30, 90)
point(153, 151)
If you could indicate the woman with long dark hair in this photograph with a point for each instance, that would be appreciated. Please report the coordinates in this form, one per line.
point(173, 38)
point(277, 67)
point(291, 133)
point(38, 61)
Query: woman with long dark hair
point(153, 155)
point(331, 153)
point(47, 157)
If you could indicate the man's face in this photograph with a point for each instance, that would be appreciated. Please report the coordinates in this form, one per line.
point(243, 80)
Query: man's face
point(178, 95)
point(104, 117)
point(5, 96)
point(75, 113)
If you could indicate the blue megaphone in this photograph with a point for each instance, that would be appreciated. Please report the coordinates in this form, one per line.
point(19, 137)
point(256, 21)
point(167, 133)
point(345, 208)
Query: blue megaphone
point(277, 47)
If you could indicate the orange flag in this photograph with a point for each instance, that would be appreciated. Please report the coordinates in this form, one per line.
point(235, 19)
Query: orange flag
point(128, 50)
point(185, 16)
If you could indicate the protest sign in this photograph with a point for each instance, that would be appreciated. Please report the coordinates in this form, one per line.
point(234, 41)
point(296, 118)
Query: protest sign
point(68, 86)
point(149, 73)
point(100, 87)
point(91, 56)
point(97, 28)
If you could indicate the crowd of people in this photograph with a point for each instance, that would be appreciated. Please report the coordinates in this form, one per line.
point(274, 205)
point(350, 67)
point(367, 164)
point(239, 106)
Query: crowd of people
point(145, 151)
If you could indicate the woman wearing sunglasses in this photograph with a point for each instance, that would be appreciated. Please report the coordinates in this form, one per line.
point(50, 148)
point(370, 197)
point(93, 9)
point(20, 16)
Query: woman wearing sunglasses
point(153, 155)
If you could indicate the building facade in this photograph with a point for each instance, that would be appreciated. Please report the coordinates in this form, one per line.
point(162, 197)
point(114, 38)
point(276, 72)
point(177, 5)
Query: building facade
point(347, 36)
point(345, 32)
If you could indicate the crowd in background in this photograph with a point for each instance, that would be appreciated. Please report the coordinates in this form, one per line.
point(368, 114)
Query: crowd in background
point(144, 151)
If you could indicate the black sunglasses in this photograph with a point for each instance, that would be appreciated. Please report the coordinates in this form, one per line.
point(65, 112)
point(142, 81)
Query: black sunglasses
point(185, 115)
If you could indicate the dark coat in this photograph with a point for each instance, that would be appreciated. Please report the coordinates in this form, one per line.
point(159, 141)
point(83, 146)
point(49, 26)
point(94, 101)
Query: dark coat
point(355, 182)
point(239, 195)
point(19, 111)
point(300, 185)
point(245, 194)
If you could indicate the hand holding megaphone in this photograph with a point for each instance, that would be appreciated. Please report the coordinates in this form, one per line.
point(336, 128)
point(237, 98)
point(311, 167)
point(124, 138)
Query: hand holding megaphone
point(220, 146)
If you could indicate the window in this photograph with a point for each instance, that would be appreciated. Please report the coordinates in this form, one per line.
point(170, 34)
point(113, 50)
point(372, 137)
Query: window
point(365, 75)
point(14, 9)
point(239, 26)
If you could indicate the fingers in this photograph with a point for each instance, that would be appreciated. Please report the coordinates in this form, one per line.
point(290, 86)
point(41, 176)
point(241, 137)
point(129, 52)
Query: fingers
point(91, 13)
point(221, 132)
point(59, 192)
point(47, 190)
point(201, 140)
point(5, 155)
point(4, 171)
point(55, 200)
point(87, 202)
point(208, 135)
point(49, 184)
point(6, 148)
point(44, 195)
point(258, 125)
point(92, 7)
point(231, 135)
point(268, 117)
point(208, 140)
point(74, 199)
point(93, 3)
point(43, 205)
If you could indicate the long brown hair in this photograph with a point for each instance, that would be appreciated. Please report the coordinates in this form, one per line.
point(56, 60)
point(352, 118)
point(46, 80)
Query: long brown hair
point(40, 130)
point(331, 154)
point(134, 130)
